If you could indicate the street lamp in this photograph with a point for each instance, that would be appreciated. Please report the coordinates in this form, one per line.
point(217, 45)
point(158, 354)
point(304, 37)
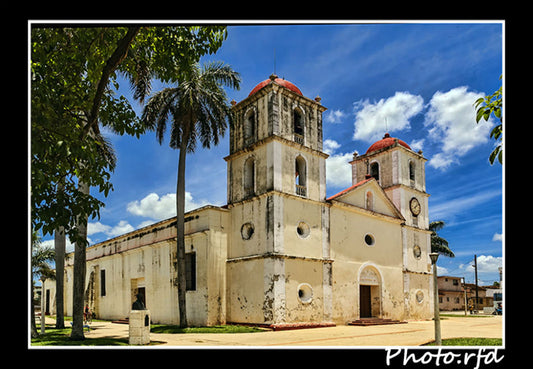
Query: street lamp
point(434, 256)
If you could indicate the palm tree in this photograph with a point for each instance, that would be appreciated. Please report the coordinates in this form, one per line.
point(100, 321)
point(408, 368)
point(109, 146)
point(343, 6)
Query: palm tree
point(198, 111)
point(40, 269)
point(439, 244)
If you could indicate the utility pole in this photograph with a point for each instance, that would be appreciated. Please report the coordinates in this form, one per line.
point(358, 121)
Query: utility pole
point(464, 289)
point(475, 268)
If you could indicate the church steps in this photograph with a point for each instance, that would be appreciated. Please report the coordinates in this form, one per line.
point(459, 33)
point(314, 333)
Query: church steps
point(364, 322)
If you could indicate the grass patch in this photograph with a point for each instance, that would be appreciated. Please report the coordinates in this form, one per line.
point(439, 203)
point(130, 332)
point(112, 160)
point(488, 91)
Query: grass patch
point(61, 337)
point(464, 341)
point(163, 328)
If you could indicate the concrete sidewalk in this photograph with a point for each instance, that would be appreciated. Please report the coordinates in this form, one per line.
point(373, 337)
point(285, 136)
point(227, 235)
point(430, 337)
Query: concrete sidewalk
point(413, 333)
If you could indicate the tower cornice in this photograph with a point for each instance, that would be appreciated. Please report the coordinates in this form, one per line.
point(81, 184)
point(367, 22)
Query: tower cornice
point(272, 138)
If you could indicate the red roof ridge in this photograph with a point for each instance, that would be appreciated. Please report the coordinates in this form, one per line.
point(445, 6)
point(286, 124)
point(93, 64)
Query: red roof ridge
point(386, 141)
point(350, 188)
point(279, 81)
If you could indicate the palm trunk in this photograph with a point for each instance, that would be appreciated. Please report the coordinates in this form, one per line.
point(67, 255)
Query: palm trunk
point(59, 241)
point(180, 227)
point(34, 333)
point(79, 277)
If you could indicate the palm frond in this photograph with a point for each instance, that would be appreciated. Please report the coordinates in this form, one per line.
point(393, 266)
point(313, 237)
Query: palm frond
point(198, 106)
point(436, 225)
point(439, 244)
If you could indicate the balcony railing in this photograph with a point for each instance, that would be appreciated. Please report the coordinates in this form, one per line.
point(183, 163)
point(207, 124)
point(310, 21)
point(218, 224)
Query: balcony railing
point(301, 190)
point(299, 139)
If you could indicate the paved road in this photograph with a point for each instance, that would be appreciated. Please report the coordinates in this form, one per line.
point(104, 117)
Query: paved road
point(414, 333)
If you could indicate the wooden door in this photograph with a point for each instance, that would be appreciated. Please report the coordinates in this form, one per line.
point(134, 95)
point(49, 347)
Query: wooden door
point(365, 302)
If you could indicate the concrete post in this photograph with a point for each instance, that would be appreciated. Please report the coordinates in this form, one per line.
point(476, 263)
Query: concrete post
point(139, 332)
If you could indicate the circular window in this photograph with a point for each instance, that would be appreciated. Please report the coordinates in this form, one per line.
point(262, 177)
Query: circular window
point(303, 230)
point(370, 240)
point(417, 252)
point(305, 293)
point(419, 296)
point(247, 231)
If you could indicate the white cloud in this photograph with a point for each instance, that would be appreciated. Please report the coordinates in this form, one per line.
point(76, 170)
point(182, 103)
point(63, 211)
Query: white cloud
point(497, 237)
point(488, 263)
point(121, 228)
point(69, 246)
point(334, 116)
point(330, 146)
point(153, 206)
point(417, 144)
point(97, 227)
point(164, 207)
point(391, 114)
point(442, 161)
point(451, 120)
point(338, 169)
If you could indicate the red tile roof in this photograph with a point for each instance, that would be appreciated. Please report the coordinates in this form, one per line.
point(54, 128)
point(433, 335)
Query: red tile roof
point(279, 81)
point(351, 188)
point(386, 142)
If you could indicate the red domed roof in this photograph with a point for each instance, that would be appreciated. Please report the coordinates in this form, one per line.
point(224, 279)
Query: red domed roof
point(386, 142)
point(279, 81)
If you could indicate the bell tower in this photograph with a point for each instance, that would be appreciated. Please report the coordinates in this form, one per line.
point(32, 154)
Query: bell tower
point(279, 250)
point(276, 143)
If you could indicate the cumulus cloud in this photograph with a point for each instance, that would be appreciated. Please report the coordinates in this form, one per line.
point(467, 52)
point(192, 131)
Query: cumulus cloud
point(391, 114)
point(488, 263)
point(334, 116)
point(497, 237)
point(155, 207)
point(338, 169)
point(417, 144)
point(451, 120)
point(329, 146)
point(122, 227)
point(69, 246)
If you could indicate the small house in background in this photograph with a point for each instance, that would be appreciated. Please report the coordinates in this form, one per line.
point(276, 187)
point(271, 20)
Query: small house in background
point(451, 293)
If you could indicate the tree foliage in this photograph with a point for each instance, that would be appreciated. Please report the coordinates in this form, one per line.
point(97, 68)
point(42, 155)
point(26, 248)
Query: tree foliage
point(74, 76)
point(439, 244)
point(486, 106)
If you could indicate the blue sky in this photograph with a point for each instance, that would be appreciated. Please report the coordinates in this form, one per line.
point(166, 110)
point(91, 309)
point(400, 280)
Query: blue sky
point(416, 81)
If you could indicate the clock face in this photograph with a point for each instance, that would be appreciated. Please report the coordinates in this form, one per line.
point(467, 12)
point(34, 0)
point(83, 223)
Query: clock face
point(414, 206)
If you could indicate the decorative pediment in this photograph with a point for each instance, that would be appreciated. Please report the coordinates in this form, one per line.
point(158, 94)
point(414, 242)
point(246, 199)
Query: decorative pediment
point(368, 195)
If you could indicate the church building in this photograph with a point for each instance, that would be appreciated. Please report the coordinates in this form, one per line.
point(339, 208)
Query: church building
point(280, 253)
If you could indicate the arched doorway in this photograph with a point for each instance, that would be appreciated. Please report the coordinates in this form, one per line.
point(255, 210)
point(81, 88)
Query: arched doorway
point(369, 292)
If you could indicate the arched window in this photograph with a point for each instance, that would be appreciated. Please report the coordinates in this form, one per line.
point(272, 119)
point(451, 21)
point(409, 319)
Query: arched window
point(374, 170)
point(412, 172)
point(249, 127)
point(369, 201)
point(301, 176)
point(249, 177)
point(298, 125)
